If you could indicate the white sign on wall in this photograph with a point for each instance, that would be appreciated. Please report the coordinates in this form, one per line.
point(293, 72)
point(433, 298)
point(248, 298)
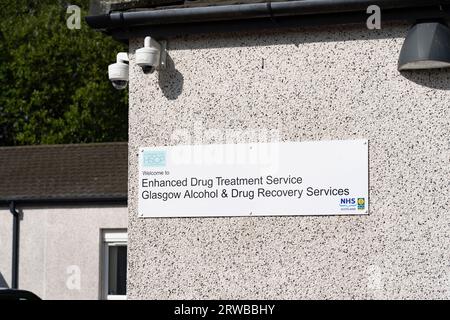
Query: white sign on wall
point(261, 179)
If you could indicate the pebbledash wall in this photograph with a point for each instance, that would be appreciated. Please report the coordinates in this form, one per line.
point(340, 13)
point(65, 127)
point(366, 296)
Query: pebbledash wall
point(311, 85)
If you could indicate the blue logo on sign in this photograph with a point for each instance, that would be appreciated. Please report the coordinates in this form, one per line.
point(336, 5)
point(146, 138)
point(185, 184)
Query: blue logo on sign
point(154, 159)
point(348, 201)
point(348, 204)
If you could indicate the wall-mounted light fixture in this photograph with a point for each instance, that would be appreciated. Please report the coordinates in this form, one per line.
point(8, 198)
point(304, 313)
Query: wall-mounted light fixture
point(427, 46)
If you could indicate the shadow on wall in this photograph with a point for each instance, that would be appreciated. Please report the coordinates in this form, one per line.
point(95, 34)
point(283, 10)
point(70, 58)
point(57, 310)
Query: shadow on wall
point(436, 79)
point(3, 283)
point(293, 36)
point(171, 81)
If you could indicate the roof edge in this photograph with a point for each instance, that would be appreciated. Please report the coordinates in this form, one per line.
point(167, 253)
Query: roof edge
point(66, 201)
point(67, 145)
point(179, 21)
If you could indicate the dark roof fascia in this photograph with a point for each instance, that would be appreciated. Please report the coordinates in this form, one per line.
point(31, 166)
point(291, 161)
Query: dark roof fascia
point(40, 146)
point(166, 23)
point(123, 201)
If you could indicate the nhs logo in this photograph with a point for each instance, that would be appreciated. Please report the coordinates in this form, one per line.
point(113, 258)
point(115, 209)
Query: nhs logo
point(348, 204)
point(353, 204)
point(348, 201)
point(154, 159)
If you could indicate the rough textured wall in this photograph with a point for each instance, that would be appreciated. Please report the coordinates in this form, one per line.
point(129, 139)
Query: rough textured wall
point(56, 243)
point(311, 85)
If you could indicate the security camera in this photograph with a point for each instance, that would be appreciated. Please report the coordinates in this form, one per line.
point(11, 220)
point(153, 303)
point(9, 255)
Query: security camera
point(119, 71)
point(152, 56)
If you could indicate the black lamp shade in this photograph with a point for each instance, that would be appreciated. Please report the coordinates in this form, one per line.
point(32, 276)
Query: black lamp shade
point(427, 46)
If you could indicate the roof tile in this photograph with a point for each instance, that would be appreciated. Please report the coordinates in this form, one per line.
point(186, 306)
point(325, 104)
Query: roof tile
point(64, 172)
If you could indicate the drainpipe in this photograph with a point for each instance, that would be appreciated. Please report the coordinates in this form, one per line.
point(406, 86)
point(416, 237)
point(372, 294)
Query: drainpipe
point(171, 22)
point(247, 11)
point(15, 246)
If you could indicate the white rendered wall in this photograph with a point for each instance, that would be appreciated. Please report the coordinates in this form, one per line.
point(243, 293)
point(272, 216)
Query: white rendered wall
point(58, 246)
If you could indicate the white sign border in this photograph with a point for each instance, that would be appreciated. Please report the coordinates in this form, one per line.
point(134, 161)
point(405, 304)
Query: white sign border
point(366, 212)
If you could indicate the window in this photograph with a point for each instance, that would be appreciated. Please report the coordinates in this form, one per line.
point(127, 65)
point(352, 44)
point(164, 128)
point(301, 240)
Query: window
point(114, 272)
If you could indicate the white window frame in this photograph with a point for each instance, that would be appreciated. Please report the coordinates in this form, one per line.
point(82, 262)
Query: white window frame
point(110, 238)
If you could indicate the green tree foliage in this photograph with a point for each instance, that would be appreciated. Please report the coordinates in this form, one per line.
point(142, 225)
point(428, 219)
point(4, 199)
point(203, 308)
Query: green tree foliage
point(54, 86)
